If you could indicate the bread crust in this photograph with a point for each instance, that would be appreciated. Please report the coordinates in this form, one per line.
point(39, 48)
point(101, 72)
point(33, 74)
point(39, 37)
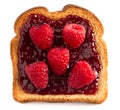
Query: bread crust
point(18, 93)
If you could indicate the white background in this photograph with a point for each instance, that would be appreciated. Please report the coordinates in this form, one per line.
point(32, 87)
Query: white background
point(108, 11)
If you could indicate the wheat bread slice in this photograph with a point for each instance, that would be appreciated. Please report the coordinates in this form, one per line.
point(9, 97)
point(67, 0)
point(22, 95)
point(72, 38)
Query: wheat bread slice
point(18, 93)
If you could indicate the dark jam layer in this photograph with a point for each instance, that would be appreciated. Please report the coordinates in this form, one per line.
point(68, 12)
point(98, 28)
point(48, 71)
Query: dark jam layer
point(29, 53)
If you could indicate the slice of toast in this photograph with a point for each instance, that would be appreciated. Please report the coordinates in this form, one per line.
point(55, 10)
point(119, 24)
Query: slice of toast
point(102, 92)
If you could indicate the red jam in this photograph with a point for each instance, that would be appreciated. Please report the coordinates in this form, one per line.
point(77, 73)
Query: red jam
point(29, 53)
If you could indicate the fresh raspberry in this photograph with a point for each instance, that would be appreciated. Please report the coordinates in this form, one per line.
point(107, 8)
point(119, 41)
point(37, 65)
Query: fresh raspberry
point(42, 36)
point(81, 75)
point(58, 59)
point(74, 35)
point(38, 74)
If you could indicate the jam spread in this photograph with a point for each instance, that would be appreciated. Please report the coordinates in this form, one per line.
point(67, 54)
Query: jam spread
point(29, 53)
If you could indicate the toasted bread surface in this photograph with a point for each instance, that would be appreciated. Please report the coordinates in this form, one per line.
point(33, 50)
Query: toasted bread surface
point(100, 96)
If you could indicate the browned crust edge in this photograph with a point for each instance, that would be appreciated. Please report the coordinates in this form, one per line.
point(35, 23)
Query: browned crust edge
point(20, 96)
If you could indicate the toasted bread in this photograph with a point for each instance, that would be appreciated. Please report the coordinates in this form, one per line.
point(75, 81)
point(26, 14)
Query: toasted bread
point(21, 96)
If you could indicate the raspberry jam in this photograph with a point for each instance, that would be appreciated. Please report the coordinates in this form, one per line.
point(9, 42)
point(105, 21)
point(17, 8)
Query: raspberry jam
point(29, 53)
